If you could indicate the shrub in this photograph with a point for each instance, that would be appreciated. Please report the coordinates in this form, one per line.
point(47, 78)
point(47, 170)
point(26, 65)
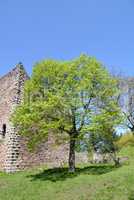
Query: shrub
point(126, 140)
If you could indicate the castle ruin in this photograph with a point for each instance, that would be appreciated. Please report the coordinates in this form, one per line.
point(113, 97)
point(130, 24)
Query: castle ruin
point(14, 154)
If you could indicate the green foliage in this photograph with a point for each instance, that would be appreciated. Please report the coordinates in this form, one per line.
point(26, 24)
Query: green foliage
point(103, 131)
point(73, 98)
point(126, 140)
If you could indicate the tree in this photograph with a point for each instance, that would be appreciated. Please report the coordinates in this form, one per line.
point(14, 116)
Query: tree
point(126, 101)
point(103, 136)
point(63, 97)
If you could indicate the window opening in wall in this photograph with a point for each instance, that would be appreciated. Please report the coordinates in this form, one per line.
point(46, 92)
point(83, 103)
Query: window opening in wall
point(4, 130)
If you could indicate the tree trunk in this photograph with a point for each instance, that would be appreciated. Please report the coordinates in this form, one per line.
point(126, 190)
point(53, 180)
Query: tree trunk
point(116, 160)
point(72, 155)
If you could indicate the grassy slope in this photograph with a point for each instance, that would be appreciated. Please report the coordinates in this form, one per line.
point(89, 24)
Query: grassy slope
point(103, 182)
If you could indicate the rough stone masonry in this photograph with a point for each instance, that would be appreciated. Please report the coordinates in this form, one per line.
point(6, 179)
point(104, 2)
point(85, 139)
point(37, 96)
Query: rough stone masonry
point(14, 154)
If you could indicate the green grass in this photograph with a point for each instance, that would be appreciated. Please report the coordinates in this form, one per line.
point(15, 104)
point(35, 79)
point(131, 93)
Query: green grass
point(94, 182)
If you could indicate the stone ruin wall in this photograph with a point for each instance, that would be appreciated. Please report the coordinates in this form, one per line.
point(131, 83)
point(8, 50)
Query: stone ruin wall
point(48, 153)
point(14, 154)
point(10, 92)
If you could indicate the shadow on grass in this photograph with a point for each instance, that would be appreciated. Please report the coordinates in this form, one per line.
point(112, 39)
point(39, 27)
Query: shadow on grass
point(61, 174)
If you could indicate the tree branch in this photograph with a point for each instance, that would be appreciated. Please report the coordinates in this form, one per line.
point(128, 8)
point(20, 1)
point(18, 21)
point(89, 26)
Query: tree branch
point(131, 122)
point(85, 107)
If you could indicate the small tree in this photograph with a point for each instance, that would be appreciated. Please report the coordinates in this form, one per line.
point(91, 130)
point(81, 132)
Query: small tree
point(103, 136)
point(63, 97)
point(126, 101)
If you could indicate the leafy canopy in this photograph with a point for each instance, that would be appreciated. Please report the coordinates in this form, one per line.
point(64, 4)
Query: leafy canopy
point(66, 97)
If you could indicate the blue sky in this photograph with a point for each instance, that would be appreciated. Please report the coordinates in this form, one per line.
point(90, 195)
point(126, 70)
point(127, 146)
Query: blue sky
point(32, 30)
